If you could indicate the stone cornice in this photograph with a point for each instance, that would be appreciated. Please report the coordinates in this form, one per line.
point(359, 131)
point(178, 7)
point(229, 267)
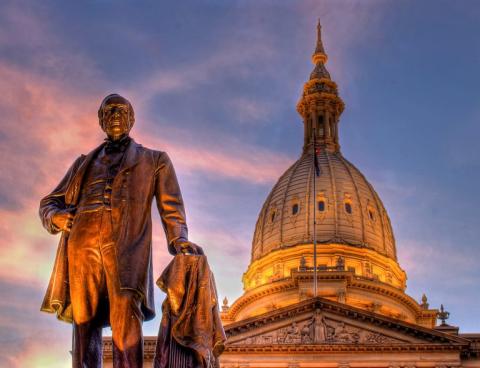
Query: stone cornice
point(352, 282)
point(297, 249)
point(340, 348)
point(473, 350)
point(386, 290)
point(249, 297)
point(345, 311)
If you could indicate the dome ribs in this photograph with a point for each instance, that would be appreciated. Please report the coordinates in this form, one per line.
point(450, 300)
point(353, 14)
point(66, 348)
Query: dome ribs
point(334, 194)
point(379, 208)
point(282, 214)
point(387, 237)
point(263, 218)
point(308, 196)
point(338, 179)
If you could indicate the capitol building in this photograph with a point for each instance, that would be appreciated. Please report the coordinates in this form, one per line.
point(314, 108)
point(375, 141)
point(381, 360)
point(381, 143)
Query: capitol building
point(358, 314)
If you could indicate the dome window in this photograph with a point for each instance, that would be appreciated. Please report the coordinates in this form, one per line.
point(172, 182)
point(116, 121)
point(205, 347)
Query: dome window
point(273, 215)
point(295, 208)
point(371, 214)
point(348, 208)
point(321, 205)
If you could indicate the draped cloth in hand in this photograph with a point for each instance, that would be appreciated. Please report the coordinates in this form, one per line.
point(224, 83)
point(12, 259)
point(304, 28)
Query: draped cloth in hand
point(191, 333)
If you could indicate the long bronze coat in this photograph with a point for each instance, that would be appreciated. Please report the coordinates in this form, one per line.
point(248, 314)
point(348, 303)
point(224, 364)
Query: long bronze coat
point(190, 315)
point(143, 174)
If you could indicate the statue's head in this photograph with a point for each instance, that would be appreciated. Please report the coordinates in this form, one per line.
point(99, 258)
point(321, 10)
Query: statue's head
point(116, 116)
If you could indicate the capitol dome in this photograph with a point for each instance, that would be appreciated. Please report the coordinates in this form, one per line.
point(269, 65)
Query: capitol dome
point(323, 230)
point(348, 211)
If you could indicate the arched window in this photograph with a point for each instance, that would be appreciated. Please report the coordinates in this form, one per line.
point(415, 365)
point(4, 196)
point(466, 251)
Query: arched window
point(295, 208)
point(272, 216)
point(321, 127)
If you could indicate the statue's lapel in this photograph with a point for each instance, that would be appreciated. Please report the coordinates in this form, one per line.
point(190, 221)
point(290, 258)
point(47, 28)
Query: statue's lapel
point(73, 189)
point(131, 156)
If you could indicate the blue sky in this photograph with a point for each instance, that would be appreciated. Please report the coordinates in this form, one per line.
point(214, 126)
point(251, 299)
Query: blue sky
point(215, 84)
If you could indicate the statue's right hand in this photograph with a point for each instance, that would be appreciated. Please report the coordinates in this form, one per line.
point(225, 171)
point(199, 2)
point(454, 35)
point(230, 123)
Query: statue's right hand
point(63, 219)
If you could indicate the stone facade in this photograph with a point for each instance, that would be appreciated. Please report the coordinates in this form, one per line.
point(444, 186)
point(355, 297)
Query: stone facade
point(320, 333)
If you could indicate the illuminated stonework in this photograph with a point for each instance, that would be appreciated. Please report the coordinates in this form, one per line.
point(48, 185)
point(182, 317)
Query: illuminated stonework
point(361, 315)
point(357, 260)
point(356, 276)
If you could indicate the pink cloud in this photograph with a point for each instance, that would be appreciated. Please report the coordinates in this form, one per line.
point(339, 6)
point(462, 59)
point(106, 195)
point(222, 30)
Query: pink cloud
point(36, 354)
point(241, 162)
point(47, 126)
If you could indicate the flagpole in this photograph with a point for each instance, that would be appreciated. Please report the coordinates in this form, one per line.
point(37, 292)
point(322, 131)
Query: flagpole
point(314, 216)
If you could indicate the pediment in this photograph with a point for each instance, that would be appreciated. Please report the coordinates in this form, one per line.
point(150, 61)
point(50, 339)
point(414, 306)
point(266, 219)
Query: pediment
point(322, 322)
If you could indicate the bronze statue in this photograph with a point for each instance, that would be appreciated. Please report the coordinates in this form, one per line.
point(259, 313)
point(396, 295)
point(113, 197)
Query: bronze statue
point(103, 268)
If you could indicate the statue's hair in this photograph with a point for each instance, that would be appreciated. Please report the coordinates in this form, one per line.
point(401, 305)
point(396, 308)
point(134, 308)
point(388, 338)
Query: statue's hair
point(131, 113)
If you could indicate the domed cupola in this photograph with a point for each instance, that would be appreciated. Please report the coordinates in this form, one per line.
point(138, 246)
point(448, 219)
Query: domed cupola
point(348, 210)
point(324, 202)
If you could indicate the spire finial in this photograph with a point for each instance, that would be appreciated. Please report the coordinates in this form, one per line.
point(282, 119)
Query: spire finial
point(320, 105)
point(443, 315)
point(319, 56)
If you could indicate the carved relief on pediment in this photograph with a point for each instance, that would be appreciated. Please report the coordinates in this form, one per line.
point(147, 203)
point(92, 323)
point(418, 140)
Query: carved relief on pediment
point(318, 330)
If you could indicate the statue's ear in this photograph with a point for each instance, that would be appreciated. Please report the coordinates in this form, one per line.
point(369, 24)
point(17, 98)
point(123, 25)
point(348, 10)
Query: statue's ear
point(131, 115)
point(100, 116)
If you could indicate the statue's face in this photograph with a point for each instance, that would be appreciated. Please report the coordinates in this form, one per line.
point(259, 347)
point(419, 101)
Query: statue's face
point(115, 117)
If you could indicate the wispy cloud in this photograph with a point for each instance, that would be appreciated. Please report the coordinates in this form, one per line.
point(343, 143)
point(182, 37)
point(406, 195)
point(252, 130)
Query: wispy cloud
point(229, 158)
point(249, 111)
point(225, 60)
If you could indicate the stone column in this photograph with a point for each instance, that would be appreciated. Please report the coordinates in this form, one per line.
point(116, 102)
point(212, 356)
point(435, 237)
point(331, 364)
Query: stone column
point(326, 118)
point(335, 124)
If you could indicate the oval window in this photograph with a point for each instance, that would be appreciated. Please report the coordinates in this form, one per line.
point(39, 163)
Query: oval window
point(321, 206)
point(348, 207)
point(295, 209)
point(272, 216)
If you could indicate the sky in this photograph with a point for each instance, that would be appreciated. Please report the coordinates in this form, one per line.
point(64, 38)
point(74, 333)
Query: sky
point(215, 84)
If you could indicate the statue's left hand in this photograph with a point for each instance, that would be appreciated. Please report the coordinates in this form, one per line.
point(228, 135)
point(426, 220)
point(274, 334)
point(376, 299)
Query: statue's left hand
point(187, 247)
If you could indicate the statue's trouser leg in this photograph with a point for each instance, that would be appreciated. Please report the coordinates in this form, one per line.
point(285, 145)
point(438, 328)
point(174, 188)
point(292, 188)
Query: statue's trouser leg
point(93, 276)
point(87, 289)
point(126, 317)
point(87, 344)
